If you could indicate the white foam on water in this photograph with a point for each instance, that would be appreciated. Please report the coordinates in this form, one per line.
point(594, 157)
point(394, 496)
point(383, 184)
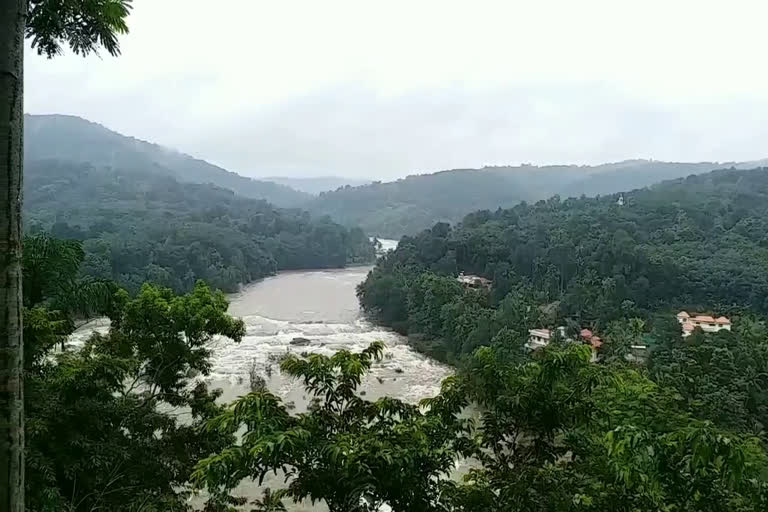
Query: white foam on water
point(78, 338)
point(402, 373)
point(319, 306)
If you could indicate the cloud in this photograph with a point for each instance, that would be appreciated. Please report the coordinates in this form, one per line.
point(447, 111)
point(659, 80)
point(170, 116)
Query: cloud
point(384, 90)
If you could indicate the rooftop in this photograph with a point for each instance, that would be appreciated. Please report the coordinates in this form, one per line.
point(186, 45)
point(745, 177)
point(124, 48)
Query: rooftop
point(473, 280)
point(704, 319)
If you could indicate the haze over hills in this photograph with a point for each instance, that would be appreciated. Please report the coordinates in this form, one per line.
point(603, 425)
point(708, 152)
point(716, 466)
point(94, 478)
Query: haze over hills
point(411, 204)
point(139, 226)
point(319, 184)
point(389, 209)
point(77, 140)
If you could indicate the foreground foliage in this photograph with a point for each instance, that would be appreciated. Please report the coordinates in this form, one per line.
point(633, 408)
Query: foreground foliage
point(350, 453)
point(115, 424)
point(554, 433)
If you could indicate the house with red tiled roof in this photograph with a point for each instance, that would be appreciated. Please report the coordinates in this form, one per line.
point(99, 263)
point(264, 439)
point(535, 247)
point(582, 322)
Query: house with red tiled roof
point(707, 323)
point(592, 340)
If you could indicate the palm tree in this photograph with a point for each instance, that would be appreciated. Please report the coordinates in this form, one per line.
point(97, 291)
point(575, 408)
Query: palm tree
point(269, 502)
point(49, 267)
point(85, 25)
point(51, 272)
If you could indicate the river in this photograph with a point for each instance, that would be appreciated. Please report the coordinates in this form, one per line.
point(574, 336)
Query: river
point(321, 306)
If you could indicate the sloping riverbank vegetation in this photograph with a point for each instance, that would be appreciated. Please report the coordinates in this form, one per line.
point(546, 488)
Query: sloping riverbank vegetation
point(141, 226)
point(697, 243)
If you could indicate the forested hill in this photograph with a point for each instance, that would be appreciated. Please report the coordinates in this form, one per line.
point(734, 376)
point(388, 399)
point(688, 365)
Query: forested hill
point(142, 226)
point(76, 140)
point(699, 242)
point(417, 202)
point(319, 184)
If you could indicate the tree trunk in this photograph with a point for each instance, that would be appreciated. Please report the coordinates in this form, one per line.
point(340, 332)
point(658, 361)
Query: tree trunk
point(12, 25)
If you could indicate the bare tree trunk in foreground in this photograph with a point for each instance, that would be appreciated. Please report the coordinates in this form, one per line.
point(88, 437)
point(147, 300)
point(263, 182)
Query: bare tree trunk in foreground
point(12, 25)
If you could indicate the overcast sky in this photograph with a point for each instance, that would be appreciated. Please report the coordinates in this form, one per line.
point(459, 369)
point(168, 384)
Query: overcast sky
point(390, 88)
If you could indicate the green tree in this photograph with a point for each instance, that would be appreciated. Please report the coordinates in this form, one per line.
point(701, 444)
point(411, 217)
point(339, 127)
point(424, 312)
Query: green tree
point(350, 453)
point(117, 424)
point(84, 25)
point(560, 433)
point(52, 279)
point(426, 297)
point(553, 433)
point(269, 502)
point(621, 335)
point(722, 377)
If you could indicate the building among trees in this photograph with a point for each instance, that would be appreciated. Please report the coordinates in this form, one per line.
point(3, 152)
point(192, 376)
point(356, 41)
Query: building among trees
point(705, 322)
point(472, 281)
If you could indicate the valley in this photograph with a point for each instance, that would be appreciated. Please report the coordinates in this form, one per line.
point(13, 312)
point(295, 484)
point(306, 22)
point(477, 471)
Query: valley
point(409, 257)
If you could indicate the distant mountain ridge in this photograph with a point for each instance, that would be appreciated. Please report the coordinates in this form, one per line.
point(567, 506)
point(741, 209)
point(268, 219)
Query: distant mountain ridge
point(410, 204)
point(317, 185)
point(389, 209)
point(76, 140)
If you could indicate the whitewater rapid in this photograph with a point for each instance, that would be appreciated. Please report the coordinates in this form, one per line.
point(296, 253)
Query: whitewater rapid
point(321, 307)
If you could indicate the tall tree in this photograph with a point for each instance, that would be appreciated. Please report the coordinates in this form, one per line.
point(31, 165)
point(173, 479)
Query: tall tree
point(84, 25)
point(12, 23)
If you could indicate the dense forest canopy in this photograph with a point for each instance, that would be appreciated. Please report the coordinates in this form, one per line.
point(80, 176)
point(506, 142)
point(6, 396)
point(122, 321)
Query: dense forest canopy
point(388, 210)
point(76, 140)
point(700, 242)
point(406, 206)
point(139, 226)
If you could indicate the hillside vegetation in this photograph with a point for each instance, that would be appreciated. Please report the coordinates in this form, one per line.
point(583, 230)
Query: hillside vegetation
point(621, 269)
point(139, 226)
point(76, 140)
point(700, 242)
point(406, 206)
